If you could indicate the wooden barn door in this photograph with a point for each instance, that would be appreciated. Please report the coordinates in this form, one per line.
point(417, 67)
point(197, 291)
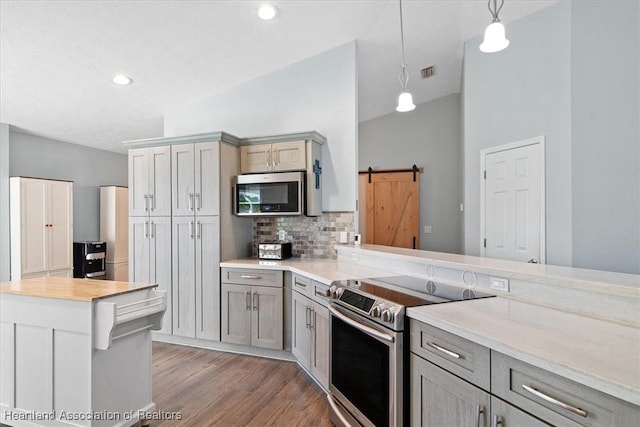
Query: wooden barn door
point(390, 207)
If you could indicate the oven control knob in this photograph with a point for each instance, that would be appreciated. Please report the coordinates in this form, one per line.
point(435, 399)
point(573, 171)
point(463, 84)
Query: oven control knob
point(331, 292)
point(376, 311)
point(388, 315)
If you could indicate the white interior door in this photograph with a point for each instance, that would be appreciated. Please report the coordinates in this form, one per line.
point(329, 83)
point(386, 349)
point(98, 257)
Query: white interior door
point(513, 199)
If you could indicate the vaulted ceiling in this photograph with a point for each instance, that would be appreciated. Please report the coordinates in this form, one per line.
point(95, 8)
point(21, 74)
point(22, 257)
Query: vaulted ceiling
point(57, 57)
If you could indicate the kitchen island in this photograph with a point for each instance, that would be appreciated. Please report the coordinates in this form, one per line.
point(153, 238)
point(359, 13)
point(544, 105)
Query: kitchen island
point(76, 351)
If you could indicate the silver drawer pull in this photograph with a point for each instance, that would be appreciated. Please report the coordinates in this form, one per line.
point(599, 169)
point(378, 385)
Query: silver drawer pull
point(249, 276)
point(444, 350)
point(554, 401)
point(302, 285)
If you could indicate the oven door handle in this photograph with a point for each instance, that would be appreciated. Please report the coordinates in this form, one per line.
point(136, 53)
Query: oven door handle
point(337, 411)
point(358, 325)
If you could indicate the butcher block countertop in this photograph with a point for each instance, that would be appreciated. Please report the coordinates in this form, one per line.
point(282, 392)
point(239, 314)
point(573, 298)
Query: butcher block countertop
point(70, 289)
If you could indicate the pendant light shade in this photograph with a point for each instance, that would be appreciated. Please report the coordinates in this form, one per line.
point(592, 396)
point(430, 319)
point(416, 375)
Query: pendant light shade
point(405, 102)
point(494, 36)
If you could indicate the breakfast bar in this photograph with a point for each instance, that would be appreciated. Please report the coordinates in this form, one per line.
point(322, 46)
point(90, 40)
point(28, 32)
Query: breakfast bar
point(76, 351)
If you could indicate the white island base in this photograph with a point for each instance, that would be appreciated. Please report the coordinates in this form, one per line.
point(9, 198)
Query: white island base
point(76, 359)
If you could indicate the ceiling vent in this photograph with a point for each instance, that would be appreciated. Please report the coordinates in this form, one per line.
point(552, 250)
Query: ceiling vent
point(428, 72)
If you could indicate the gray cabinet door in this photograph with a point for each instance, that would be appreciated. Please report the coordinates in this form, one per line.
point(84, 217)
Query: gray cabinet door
point(300, 332)
point(439, 398)
point(160, 181)
point(319, 363)
point(182, 180)
point(236, 314)
point(160, 262)
point(207, 178)
point(208, 277)
point(184, 288)
point(139, 269)
point(138, 182)
point(505, 415)
point(266, 317)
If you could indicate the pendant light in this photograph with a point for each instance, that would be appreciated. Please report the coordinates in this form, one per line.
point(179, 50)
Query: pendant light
point(405, 100)
point(494, 35)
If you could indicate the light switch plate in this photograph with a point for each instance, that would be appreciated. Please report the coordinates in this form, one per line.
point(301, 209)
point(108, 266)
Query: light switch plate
point(281, 234)
point(428, 229)
point(343, 237)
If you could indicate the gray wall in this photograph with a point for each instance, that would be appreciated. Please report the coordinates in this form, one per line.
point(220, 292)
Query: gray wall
point(570, 74)
point(429, 137)
point(88, 168)
point(4, 202)
point(318, 93)
point(605, 97)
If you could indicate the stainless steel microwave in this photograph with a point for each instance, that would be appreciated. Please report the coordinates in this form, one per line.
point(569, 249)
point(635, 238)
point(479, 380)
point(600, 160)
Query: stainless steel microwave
point(271, 194)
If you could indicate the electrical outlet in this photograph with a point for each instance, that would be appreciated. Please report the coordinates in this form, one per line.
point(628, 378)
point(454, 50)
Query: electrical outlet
point(428, 229)
point(499, 284)
point(281, 234)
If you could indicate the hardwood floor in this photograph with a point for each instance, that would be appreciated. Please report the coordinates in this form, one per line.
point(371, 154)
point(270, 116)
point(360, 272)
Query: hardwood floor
point(211, 388)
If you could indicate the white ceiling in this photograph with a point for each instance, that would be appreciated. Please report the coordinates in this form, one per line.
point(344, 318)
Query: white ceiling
point(57, 57)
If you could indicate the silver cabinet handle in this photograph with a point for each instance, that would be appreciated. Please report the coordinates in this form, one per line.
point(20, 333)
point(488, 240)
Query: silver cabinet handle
point(198, 201)
point(191, 229)
point(247, 300)
point(308, 315)
point(497, 421)
point(199, 231)
point(302, 285)
point(312, 318)
point(190, 201)
point(480, 410)
point(554, 401)
point(146, 229)
point(152, 203)
point(444, 350)
point(153, 230)
point(255, 301)
point(146, 202)
point(249, 276)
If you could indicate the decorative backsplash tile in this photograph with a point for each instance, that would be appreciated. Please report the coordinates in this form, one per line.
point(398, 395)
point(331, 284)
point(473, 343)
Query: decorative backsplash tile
point(311, 237)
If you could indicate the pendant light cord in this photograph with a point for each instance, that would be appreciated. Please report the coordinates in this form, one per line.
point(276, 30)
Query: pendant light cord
point(404, 79)
point(496, 10)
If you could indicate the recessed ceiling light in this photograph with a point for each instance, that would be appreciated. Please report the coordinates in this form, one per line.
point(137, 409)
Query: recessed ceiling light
point(122, 80)
point(267, 12)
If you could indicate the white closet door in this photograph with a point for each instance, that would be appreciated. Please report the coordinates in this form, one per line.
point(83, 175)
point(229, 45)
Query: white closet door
point(207, 178)
point(182, 182)
point(60, 220)
point(33, 207)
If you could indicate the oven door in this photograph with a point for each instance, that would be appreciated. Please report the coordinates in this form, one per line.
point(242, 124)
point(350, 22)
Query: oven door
point(365, 371)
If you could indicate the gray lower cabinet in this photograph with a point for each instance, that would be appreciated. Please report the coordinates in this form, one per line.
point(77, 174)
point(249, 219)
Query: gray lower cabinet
point(310, 329)
point(450, 387)
point(252, 314)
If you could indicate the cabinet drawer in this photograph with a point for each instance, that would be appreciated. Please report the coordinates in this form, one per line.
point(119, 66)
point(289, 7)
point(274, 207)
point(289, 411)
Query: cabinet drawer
point(464, 358)
point(252, 276)
point(555, 399)
point(318, 292)
point(301, 284)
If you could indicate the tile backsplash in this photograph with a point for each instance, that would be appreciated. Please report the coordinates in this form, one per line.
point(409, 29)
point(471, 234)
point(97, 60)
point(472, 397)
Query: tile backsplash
point(311, 237)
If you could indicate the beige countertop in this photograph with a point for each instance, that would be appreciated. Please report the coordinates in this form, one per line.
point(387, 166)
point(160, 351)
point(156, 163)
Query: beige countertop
point(322, 270)
point(592, 352)
point(69, 289)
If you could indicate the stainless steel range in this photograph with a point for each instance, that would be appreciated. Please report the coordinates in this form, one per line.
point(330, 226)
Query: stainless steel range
point(369, 345)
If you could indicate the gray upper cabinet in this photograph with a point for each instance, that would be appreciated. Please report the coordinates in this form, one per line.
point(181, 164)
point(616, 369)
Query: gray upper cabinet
point(276, 157)
point(150, 181)
point(195, 179)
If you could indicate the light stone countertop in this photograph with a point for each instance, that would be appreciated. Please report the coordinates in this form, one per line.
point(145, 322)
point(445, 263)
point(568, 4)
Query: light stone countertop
point(592, 352)
point(580, 278)
point(322, 270)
